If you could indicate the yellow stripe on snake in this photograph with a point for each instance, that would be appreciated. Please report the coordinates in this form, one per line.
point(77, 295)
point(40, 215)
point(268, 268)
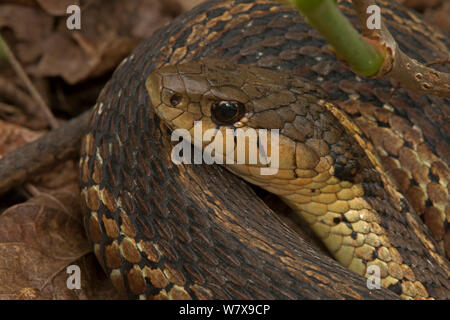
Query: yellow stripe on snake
point(342, 156)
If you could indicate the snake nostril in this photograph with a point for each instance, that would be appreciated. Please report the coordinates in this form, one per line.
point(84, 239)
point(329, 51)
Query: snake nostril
point(175, 99)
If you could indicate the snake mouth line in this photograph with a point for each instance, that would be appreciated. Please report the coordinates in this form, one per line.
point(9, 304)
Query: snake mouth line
point(235, 146)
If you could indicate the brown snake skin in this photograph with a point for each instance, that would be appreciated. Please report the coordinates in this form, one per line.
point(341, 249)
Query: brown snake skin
point(166, 231)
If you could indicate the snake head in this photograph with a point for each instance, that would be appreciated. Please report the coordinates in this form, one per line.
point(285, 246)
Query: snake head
point(209, 91)
point(223, 95)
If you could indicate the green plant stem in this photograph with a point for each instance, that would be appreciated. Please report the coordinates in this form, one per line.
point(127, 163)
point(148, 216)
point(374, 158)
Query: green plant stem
point(325, 16)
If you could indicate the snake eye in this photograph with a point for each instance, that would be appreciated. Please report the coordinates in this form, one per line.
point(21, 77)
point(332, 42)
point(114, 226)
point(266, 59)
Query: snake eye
point(175, 99)
point(227, 112)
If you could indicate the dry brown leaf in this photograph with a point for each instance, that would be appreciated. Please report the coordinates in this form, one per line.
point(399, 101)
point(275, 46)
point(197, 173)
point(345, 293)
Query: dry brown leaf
point(60, 58)
point(38, 240)
point(38, 23)
point(13, 136)
point(69, 57)
point(109, 31)
point(29, 35)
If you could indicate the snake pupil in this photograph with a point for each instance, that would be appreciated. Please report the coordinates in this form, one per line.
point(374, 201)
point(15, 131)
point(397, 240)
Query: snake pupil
point(175, 100)
point(227, 112)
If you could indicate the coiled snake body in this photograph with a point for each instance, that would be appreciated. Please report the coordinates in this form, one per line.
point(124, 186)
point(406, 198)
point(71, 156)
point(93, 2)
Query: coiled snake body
point(166, 231)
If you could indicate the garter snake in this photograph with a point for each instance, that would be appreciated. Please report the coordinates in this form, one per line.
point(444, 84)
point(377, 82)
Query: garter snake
point(166, 231)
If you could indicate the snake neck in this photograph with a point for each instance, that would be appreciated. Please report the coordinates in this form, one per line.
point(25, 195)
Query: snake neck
point(341, 190)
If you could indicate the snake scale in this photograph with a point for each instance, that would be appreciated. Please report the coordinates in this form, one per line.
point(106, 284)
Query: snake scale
point(361, 161)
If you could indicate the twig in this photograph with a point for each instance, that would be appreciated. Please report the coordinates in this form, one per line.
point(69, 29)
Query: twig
point(31, 189)
point(408, 72)
point(10, 91)
point(363, 53)
point(33, 158)
point(34, 93)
